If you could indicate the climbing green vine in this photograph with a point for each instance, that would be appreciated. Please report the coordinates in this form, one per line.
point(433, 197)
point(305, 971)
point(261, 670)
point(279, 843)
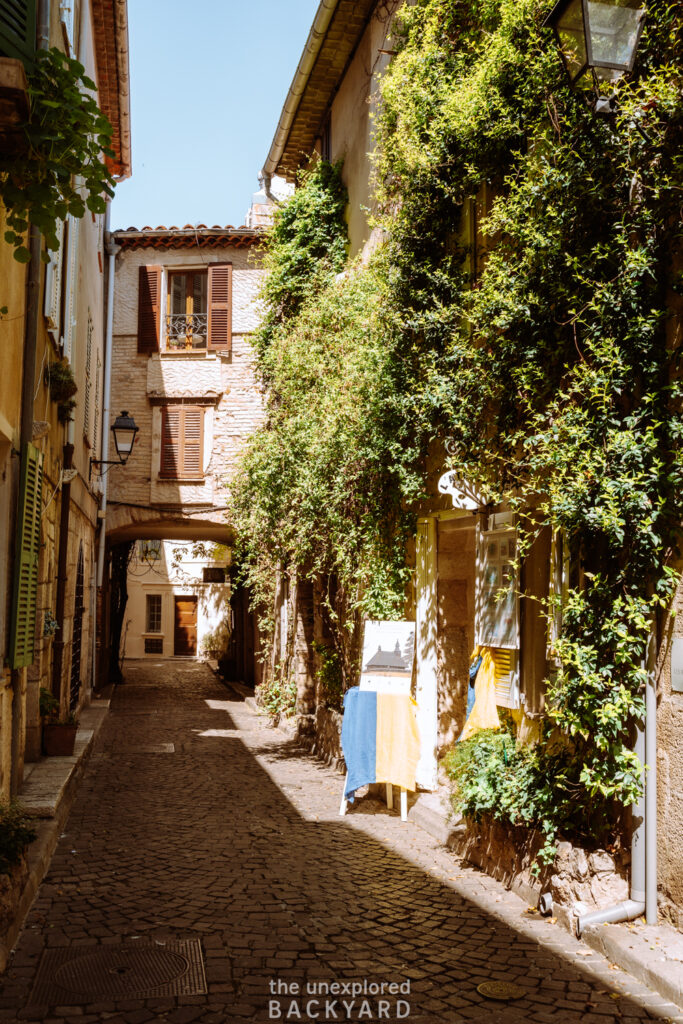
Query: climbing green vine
point(62, 170)
point(525, 305)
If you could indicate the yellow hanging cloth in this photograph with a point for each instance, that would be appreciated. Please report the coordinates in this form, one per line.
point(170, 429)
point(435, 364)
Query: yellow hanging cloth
point(484, 714)
point(398, 740)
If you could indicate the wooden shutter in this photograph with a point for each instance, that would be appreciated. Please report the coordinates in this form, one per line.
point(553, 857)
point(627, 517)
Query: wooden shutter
point(192, 440)
point(53, 284)
point(18, 29)
point(66, 16)
point(182, 429)
point(220, 306)
point(27, 553)
point(71, 287)
point(149, 308)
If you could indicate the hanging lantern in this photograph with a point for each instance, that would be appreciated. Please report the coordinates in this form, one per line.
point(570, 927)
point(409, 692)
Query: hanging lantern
point(598, 43)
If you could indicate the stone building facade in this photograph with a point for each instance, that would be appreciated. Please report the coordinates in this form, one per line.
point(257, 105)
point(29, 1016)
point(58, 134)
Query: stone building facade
point(460, 544)
point(54, 327)
point(186, 305)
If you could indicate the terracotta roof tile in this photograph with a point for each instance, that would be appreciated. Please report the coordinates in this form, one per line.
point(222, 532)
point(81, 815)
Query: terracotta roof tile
point(188, 237)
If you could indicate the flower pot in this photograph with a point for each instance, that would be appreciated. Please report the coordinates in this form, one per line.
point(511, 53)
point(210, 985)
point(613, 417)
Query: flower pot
point(59, 739)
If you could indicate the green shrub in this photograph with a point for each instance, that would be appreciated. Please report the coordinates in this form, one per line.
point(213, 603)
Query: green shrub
point(494, 776)
point(278, 695)
point(330, 677)
point(16, 832)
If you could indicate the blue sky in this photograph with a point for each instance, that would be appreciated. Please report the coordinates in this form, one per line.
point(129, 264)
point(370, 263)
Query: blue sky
point(208, 80)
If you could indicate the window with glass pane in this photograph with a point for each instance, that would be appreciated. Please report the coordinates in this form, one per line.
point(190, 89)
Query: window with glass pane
point(572, 35)
point(187, 310)
point(153, 613)
point(614, 32)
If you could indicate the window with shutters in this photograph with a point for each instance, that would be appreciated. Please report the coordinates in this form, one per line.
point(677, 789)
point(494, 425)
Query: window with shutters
point(18, 29)
point(185, 310)
point(26, 559)
point(182, 447)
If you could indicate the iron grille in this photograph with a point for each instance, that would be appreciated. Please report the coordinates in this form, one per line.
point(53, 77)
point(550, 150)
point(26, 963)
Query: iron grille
point(186, 330)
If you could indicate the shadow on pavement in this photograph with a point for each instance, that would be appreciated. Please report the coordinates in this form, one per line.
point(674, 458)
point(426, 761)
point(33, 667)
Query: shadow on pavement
point(201, 842)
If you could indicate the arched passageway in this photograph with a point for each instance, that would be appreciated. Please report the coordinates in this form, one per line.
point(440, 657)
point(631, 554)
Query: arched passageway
point(169, 593)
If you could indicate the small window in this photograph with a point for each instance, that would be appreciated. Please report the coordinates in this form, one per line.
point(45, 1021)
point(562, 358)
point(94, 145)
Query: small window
point(182, 431)
point(154, 645)
point(153, 613)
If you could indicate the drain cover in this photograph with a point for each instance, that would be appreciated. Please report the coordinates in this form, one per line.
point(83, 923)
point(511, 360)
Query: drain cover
point(119, 972)
point(501, 990)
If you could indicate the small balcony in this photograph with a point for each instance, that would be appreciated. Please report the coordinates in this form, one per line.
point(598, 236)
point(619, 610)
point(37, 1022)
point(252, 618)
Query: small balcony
point(186, 331)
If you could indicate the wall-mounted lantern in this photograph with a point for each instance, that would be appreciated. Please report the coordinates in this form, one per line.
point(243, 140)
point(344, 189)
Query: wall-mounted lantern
point(124, 430)
point(598, 43)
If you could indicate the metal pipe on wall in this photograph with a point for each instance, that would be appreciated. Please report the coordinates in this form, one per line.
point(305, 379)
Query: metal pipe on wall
point(651, 786)
point(629, 909)
point(106, 400)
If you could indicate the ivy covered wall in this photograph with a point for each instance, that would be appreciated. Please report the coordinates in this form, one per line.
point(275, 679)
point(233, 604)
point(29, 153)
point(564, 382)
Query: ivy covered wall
point(548, 357)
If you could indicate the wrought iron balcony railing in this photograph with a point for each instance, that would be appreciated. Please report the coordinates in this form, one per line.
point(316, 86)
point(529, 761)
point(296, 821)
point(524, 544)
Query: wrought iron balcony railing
point(186, 330)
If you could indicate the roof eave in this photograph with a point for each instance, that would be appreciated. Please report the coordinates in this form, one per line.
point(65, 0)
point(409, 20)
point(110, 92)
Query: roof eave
point(316, 37)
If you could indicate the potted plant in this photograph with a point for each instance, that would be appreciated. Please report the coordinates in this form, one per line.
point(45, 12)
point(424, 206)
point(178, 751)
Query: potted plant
point(59, 734)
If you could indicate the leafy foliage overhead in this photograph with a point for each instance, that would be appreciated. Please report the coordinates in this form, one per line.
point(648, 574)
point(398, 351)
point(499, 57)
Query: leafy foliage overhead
point(62, 172)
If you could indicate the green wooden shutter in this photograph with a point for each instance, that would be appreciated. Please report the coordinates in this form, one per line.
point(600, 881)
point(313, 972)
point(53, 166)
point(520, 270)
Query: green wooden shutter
point(18, 29)
point(26, 558)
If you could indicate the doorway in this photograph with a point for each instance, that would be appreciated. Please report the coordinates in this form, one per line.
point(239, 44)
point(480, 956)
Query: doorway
point(185, 627)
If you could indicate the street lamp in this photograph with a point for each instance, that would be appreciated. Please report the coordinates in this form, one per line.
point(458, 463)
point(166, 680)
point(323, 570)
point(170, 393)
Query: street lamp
point(598, 43)
point(124, 431)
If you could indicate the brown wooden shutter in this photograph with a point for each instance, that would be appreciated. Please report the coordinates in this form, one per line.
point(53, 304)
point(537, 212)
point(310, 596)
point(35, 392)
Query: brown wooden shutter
point(182, 449)
point(149, 309)
point(192, 440)
point(171, 441)
point(220, 306)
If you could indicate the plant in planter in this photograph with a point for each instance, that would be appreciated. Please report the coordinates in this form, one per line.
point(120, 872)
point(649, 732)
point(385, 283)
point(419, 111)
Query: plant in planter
point(59, 734)
point(50, 627)
point(60, 379)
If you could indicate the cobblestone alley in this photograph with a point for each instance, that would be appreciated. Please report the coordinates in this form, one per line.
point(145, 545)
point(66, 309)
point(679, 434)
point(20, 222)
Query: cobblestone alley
point(196, 827)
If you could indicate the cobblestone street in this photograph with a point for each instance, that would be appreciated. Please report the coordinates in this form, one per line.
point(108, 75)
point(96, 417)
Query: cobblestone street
point(196, 821)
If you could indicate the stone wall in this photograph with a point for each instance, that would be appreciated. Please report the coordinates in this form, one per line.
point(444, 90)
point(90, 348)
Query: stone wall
point(579, 881)
point(225, 380)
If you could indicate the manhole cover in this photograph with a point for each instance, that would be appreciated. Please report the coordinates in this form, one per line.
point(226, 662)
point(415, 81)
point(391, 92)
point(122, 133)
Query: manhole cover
point(119, 972)
point(501, 990)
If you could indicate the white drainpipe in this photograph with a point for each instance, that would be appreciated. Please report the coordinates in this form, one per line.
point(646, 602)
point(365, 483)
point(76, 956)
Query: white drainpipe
point(651, 788)
point(106, 401)
point(644, 813)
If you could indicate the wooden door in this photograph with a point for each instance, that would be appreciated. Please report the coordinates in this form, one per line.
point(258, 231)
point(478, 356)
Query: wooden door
point(185, 627)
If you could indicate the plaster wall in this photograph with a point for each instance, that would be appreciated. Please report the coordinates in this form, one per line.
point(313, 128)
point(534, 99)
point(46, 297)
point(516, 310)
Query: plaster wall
point(670, 770)
point(351, 137)
point(160, 577)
